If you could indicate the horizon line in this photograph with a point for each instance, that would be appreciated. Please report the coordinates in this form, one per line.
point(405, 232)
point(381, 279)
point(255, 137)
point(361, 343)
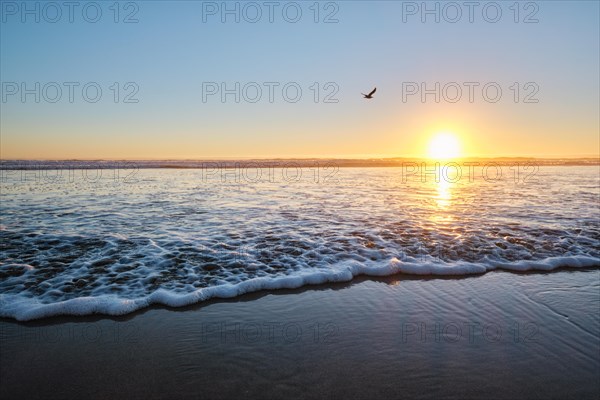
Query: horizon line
point(344, 158)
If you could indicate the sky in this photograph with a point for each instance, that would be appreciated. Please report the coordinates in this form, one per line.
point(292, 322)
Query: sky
point(181, 80)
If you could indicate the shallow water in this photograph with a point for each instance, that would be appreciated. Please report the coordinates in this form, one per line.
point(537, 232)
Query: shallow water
point(112, 241)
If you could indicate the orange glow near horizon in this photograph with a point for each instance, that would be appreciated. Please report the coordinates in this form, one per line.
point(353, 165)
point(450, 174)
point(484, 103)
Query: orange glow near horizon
point(445, 139)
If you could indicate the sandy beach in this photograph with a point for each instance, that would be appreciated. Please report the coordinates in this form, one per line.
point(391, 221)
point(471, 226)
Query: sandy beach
point(500, 335)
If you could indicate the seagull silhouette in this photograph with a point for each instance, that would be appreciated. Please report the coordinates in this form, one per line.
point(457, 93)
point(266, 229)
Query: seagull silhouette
point(370, 95)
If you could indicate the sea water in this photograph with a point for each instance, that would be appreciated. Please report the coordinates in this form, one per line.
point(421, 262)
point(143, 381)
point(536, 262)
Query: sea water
point(114, 240)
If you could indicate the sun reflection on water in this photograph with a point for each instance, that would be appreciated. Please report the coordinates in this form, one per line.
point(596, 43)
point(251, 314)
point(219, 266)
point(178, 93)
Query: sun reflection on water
point(444, 194)
point(443, 200)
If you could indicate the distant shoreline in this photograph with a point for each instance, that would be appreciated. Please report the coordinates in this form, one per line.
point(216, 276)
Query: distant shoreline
point(287, 162)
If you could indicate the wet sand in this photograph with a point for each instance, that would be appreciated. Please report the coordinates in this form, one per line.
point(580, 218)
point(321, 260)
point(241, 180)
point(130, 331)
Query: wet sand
point(499, 335)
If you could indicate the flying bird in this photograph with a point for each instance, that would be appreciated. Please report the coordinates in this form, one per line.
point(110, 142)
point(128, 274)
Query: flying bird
point(370, 95)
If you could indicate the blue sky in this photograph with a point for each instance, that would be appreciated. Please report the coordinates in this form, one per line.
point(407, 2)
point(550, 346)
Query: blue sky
point(170, 52)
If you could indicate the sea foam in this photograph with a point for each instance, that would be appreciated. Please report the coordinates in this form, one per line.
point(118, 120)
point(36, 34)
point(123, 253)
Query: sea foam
point(23, 308)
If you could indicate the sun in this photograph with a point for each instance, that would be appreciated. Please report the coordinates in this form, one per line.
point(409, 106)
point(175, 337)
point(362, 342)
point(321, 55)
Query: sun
point(444, 146)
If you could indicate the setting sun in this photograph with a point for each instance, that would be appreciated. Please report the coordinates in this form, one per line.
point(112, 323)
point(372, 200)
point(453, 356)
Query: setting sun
point(444, 146)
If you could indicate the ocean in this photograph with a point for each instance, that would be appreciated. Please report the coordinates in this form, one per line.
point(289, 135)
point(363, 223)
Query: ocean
point(81, 241)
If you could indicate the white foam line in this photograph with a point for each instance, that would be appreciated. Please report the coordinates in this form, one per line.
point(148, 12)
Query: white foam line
point(25, 308)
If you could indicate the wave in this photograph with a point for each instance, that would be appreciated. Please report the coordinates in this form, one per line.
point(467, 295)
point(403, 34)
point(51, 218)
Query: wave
point(23, 308)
